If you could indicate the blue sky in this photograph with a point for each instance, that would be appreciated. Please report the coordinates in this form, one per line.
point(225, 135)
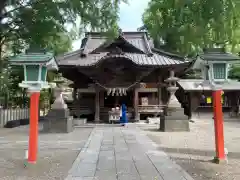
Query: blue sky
point(130, 17)
point(131, 14)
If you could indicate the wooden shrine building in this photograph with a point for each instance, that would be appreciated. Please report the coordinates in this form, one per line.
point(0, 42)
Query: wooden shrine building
point(195, 95)
point(127, 69)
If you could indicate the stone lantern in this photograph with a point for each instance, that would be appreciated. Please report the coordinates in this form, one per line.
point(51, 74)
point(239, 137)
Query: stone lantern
point(58, 119)
point(174, 119)
point(36, 63)
point(59, 102)
point(172, 88)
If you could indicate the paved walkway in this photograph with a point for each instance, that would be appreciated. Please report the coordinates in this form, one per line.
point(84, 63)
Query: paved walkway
point(123, 153)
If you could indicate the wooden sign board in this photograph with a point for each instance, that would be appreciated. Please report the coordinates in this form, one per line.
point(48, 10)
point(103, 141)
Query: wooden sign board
point(144, 101)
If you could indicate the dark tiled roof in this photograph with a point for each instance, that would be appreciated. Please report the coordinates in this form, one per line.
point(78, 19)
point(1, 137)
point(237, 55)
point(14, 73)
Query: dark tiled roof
point(139, 59)
point(93, 43)
point(201, 85)
point(147, 55)
point(137, 39)
point(218, 54)
point(32, 57)
point(170, 55)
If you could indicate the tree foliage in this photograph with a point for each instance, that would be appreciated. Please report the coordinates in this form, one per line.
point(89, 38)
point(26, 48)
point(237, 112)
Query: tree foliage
point(44, 23)
point(186, 26)
point(41, 21)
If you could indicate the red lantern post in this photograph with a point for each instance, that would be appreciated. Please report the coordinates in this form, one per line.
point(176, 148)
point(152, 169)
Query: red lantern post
point(33, 131)
point(218, 126)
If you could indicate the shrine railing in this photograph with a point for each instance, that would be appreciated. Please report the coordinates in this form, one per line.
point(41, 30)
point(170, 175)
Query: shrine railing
point(77, 110)
point(151, 108)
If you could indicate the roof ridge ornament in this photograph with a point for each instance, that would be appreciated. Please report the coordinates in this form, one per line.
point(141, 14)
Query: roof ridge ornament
point(120, 32)
point(149, 53)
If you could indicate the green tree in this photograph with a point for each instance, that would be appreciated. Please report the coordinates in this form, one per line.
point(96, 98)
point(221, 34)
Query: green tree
point(186, 26)
point(36, 21)
point(43, 22)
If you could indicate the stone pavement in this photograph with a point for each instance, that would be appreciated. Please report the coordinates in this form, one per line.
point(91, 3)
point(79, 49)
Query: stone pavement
point(56, 154)
point(194, 150)
point(123, 153)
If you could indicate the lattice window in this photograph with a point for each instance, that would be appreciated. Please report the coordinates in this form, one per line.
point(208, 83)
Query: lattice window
point(219, 71)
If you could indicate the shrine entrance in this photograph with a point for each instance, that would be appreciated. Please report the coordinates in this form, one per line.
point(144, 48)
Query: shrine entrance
point(113, 101)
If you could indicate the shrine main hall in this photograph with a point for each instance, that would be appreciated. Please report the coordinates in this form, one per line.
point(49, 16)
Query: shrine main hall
point(127, 69)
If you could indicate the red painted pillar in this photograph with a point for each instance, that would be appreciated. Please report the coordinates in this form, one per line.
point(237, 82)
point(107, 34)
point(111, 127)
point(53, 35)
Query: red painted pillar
point(218, 125)
point(33, 131)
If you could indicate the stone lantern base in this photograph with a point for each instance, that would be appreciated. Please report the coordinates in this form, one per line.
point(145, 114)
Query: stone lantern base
point(174, 119)
point(58, 121)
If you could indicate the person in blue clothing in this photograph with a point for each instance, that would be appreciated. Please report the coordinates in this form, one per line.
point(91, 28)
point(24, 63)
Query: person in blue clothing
point(124, 118)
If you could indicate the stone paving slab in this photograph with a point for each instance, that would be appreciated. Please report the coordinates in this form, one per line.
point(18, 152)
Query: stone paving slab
point(123, 153)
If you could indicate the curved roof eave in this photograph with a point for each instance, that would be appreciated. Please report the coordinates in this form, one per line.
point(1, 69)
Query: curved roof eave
point(139, 59)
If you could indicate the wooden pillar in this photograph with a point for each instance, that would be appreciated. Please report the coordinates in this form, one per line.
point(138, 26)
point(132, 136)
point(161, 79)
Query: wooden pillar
point(136, 103)
point(237, 111)
point(195, 102)
point(101, 98)
point(234, 104)
point(97, 106)
point(190, 105)
point(159, 81)
point(74, 94)
point(165, 95)
point(159, 95)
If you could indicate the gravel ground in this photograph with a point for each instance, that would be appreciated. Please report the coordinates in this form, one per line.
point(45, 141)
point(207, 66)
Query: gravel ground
point(56, 155)
point(194, 150)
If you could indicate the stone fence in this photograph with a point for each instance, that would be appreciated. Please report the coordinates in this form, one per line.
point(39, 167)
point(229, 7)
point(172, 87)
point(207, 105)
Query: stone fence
point(12, 114)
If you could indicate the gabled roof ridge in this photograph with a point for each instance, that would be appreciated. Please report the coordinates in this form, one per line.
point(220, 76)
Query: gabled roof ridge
point(89, 37)
point(147, 44)
point(162, 52)
point(107, 43)
point(68, 54)
point(101, 34)
point(122, 36)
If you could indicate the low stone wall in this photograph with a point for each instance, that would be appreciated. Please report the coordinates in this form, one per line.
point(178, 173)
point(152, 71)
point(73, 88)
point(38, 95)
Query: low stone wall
point(7, 115)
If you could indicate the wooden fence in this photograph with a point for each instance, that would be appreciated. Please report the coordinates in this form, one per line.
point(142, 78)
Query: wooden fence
point(13, 114)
